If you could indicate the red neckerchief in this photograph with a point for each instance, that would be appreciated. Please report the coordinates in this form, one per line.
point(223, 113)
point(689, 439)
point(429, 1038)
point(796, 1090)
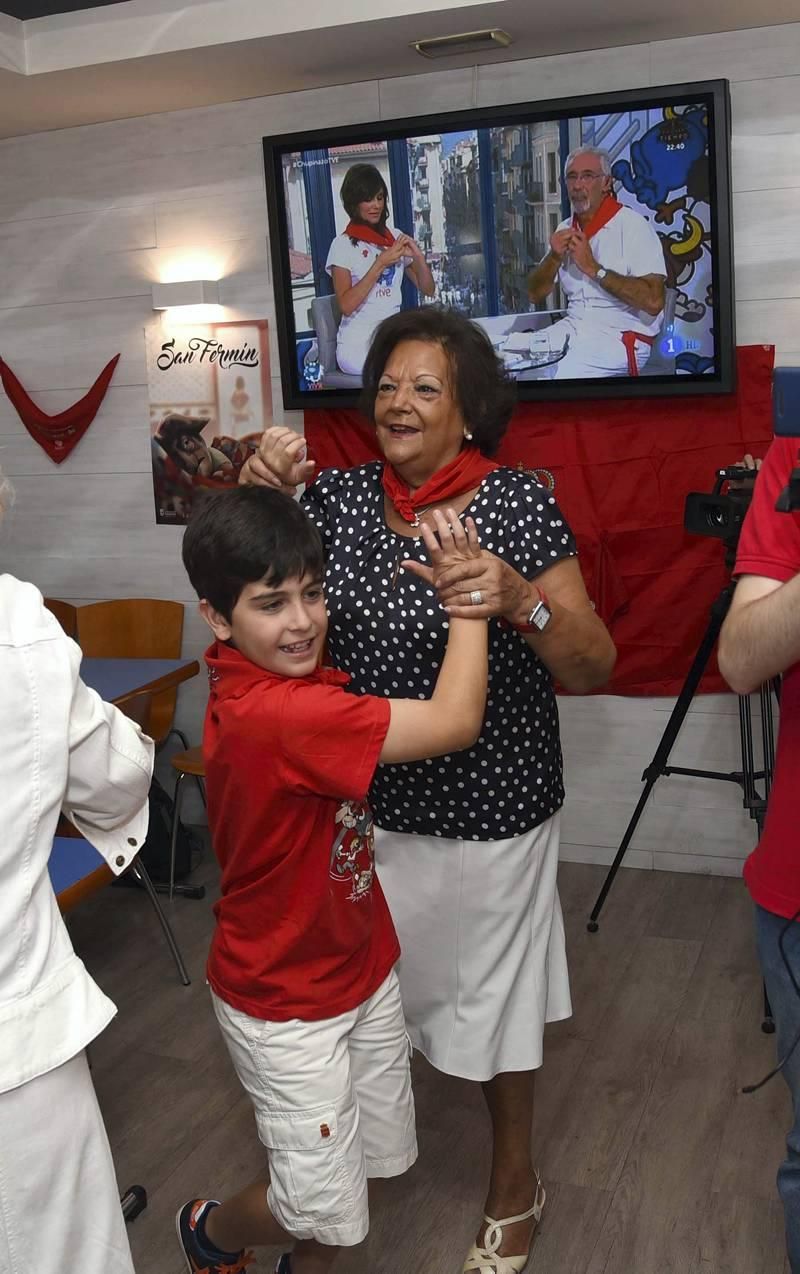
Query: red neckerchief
point(369, 234)
point(608, 209)
point(57, 435)
point(462, 474)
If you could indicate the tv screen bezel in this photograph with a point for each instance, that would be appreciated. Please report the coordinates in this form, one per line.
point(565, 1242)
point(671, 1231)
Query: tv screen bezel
point(715, 92)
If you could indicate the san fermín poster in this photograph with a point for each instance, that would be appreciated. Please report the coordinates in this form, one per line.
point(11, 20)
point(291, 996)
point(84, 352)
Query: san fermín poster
point(210, 399)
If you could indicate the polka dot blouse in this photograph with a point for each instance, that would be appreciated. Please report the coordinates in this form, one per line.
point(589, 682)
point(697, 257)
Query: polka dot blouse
point(389, 633)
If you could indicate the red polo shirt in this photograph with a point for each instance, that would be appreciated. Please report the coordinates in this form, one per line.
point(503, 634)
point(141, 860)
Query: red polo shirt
point(770, 546)
point(303, 929)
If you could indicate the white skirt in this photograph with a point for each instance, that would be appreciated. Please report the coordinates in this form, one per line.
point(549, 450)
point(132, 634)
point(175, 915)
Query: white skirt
point(484, 961)
point(59, 1204)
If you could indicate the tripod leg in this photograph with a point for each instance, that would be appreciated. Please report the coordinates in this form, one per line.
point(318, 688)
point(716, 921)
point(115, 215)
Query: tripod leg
point(658, 764)
point(592, 924)
point(767, 739)
point(768, 1024)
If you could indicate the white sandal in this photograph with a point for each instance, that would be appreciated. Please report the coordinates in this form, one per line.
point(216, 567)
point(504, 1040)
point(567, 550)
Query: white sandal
point(487, 1260)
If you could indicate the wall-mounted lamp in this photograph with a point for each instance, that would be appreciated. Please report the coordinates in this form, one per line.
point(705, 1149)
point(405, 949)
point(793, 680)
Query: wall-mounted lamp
point(167, 296)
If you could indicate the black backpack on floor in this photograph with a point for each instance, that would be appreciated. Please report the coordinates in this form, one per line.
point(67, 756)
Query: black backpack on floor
point(155, 853)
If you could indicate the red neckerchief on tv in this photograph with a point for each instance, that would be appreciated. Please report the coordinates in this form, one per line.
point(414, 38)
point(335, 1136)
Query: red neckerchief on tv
point(369, 234)
point(462, 474)
point(608, 209)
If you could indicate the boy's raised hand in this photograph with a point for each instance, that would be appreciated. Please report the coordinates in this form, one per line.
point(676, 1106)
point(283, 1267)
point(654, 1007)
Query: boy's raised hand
point(448, 544)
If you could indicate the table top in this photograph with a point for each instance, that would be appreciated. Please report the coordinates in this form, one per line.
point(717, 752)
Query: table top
point(76, 869)
point(116, 679)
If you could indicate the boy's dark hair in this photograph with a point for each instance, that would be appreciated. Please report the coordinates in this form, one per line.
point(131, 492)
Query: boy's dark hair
point(483, 391)
point(235, 538)
point(363, 182)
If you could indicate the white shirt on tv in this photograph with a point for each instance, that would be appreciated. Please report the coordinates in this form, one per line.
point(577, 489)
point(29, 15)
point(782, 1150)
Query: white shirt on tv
point(356, 329)
point(628, 245)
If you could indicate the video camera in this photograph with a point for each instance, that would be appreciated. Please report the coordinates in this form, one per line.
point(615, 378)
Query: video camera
point(721, 514)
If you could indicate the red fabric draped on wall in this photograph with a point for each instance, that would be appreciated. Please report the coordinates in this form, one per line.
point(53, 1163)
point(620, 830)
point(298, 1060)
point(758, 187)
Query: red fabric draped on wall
point(622, 469)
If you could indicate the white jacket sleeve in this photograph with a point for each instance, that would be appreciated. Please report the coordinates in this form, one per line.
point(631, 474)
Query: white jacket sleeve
point(110, 766)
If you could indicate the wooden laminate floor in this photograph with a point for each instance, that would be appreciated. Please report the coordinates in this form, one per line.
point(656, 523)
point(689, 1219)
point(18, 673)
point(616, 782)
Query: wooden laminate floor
point(653, 1161)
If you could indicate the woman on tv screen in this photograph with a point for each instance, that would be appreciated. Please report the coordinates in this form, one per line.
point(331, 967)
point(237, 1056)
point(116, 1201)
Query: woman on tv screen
point(367, 264)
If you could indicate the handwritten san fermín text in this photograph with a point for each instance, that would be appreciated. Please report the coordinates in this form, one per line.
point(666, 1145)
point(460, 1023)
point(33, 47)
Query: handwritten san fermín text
point(203, 349)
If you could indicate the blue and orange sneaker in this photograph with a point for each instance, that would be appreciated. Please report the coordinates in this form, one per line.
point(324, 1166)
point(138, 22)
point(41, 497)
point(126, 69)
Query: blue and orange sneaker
point(201, 1255)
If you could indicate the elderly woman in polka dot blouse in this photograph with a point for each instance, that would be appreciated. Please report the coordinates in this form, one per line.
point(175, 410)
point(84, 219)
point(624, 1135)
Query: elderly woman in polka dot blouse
point(467, 846)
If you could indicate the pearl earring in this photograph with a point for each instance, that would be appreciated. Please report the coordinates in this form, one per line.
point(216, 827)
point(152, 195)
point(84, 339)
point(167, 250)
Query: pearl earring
point(468, 435)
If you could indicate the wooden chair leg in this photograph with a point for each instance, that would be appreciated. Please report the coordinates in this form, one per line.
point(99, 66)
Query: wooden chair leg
point(143, 876)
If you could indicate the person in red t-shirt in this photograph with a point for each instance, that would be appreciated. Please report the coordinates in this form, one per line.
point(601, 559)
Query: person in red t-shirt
point(302, 960)
point(760, 639)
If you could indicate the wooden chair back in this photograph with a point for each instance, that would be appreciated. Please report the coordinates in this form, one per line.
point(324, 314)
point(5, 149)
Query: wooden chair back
point(136, 628)
point(65, 613)
point(138, 708)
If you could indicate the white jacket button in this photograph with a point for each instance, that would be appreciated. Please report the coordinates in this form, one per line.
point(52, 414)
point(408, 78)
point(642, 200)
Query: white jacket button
point(131, 840)
point(120, 860)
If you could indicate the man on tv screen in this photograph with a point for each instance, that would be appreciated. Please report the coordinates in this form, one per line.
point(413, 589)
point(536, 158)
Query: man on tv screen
point(610, 264)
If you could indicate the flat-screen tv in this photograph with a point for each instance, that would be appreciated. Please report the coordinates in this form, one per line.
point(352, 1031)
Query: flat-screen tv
point(590, 238)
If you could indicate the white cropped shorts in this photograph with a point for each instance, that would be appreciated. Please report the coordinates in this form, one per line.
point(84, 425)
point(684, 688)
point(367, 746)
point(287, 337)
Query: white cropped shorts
point(333, 1107)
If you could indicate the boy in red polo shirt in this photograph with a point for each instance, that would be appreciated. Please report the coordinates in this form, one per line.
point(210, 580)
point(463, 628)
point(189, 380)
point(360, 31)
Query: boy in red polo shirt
point(302, 960)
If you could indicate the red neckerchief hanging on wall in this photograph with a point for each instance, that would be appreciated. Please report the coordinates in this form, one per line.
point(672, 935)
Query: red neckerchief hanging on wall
point(59, 434)
point(608, 209)
point(462, 474)
point(369, 234)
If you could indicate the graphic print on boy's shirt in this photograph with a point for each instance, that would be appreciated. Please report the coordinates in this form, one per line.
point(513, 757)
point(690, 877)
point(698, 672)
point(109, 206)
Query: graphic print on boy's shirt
point(353, 853)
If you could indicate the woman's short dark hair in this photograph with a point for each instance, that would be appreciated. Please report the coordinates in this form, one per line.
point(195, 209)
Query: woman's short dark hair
point(237, 537)
point(363, 182)
point(484, 393)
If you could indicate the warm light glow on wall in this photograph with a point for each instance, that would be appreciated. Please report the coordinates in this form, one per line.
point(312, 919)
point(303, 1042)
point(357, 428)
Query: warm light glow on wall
point(180, 315)
point(192, 264)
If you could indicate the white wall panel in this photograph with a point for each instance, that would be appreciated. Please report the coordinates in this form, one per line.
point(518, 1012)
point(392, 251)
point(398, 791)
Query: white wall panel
point(206, 221)
point(771, 322)
point(90, 234)
point(533, 79)
point(241, 264)
point(67, 346)
point(675, 829)
point(765, 106)
point(90, 217)
point(440, 90)
point(762, 163)
point(241, 122)
point(755, 54)
point(766, 243)
point(120, 182)
point(603, 856)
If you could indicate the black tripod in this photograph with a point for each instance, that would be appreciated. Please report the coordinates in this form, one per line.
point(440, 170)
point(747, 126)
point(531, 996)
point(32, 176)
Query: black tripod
point(754, 801)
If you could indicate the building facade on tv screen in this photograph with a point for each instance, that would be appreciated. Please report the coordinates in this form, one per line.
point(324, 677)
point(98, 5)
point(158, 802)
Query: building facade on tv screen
point(582, 246)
